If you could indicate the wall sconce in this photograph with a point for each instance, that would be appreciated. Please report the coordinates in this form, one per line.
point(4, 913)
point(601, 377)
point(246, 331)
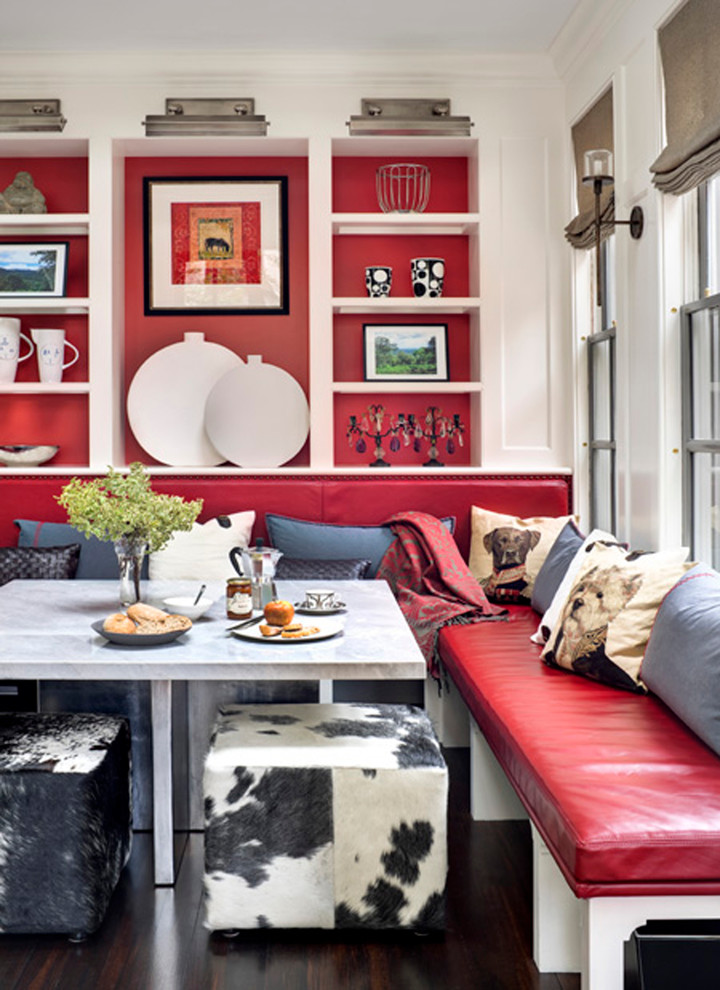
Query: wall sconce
point(408, 117)
point(31, 115)
point(206, 117)
point(598, 172)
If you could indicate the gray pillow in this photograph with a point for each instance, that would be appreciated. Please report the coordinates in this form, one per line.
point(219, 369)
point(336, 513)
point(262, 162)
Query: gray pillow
point(18, 563)
point(309, 540)
point(97, 557)
point(682, 660)
point(292, 568)
point(553, 568)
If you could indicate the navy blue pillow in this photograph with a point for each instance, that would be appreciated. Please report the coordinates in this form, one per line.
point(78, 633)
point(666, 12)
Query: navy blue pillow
point(97, 557)
point(292, 569)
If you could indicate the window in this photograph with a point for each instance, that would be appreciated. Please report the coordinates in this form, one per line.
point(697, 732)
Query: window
point(601, 402)
point(700, 328)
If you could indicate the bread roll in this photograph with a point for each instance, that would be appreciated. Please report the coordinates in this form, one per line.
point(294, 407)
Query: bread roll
point(168, 623)
point(140, 612)
point(118, 622)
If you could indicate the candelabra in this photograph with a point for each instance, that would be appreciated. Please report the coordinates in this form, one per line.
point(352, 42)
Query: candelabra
point(434, 428)
point(371, 426)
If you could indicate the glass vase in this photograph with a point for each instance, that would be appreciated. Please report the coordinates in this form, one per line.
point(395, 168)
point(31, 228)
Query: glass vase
point(130, 554)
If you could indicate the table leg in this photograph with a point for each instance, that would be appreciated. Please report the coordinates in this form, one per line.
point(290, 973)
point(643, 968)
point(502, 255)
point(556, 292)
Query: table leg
point(325, 691)
point(162, 782)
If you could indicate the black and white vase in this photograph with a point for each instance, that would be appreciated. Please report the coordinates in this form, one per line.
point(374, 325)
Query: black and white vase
point(378, 280)
point(427, 276)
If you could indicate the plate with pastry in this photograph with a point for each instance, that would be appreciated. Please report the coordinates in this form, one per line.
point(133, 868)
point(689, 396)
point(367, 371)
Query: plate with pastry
point(292, 632)
point(281, 625)
point(142, 625)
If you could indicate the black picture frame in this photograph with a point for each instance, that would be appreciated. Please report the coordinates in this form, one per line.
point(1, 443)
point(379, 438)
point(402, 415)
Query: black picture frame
point(23, 276)
point(408, 341)
point(216, 245)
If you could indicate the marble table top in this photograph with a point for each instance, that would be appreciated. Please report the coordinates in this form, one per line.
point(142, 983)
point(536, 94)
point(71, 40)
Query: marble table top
point(46, 633)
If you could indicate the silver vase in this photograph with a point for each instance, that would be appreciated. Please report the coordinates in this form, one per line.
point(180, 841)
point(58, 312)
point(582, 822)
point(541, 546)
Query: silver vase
point(130, 554)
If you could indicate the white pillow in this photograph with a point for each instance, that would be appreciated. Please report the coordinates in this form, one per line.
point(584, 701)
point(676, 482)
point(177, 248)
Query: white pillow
point(201, 553)
point(552, 614)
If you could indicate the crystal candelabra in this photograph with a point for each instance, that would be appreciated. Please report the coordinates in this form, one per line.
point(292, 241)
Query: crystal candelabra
point(371, 425)
point(434, 428)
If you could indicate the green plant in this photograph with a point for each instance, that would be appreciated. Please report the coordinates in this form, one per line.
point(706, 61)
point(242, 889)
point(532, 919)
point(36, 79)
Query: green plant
point(124, 506)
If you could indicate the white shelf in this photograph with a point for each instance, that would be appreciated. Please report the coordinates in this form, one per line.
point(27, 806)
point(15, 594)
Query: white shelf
point(54, 304)
point(441, 388)
point(445, 304)
point(405, 223)
point(44, 224)
point(44, 388)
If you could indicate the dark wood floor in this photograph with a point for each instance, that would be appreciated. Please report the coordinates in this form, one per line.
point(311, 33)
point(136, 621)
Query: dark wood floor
point(154, 939)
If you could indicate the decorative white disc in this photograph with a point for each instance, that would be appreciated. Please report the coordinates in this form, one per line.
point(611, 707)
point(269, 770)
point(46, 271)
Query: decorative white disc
point(167, 396)
point(257, 415)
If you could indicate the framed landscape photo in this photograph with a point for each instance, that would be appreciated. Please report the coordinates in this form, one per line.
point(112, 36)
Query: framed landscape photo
point(33, 270)
point(216, 245)
point(403, 352)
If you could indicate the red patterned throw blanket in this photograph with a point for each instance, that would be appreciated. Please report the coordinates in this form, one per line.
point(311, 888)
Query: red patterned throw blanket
point(431, 581)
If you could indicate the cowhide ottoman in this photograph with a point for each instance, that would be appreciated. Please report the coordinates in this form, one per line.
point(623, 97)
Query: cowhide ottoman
point(325, 816)
point(65, 819)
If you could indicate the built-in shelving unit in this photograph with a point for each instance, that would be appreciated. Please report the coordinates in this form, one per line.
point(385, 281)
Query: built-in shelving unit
point(85, 413)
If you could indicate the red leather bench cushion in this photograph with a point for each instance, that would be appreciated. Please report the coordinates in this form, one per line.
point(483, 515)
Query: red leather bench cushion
point(626, 797)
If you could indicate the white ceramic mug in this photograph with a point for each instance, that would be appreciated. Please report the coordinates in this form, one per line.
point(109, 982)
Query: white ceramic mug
point(10, 337)
point(51, 344)
point(320, 599)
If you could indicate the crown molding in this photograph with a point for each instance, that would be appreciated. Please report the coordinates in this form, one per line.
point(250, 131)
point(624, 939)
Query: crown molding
point(583, 31)
point(25, 71)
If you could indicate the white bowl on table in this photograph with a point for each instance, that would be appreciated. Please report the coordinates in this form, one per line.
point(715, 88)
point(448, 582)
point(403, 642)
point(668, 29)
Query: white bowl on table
point(186, 605)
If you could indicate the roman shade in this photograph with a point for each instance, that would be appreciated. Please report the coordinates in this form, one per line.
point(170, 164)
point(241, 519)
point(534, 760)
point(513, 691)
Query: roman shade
point(689, 46)
point(593, 130)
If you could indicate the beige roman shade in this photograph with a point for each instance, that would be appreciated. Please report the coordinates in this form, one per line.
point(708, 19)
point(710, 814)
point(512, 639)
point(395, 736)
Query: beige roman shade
point(690, 52)
point(594, 130)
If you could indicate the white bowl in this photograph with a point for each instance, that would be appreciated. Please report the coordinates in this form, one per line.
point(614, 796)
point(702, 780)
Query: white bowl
point(25, 454)
point(185, 605)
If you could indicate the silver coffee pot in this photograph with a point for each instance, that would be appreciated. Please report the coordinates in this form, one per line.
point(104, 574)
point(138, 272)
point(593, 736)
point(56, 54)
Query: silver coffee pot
point(259, 564)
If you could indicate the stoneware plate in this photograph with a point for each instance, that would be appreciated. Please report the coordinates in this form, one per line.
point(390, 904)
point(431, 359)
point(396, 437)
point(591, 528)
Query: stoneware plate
point(328, 628)
point(309, 610)
point(138, 639)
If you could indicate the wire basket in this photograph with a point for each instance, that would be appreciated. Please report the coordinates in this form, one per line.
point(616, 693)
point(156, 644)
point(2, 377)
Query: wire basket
point(403, 188)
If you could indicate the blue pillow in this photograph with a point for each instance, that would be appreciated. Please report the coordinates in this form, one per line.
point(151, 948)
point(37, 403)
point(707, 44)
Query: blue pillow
point(682, 660)
point(553, 568)
point(332, 541)
point(97, 557)
point(293, 569)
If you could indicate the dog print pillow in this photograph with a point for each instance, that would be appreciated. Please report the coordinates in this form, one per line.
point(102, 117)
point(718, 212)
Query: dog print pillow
point(506, 553)
point(606, 620)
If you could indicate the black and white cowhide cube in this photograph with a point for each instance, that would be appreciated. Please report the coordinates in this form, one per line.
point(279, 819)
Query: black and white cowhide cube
point(325, 816)
point(65, 819)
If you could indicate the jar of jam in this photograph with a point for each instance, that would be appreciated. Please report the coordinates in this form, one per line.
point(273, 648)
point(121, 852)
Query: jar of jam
point(238, 598)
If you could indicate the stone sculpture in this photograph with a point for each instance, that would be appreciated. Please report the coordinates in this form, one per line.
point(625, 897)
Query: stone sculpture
point(22, 196)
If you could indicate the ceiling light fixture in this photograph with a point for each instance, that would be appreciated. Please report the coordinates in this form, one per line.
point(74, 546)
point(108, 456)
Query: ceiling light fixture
point(408, 117)
point(206, 117)
point(598, 172)
point(31, 115)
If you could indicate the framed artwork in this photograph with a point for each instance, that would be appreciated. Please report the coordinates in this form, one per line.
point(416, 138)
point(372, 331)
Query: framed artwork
point(33, 270)
point(216, 245)
point(403, 352)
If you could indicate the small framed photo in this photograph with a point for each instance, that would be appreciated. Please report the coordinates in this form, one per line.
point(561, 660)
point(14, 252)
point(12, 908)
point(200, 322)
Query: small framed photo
point(216, 245)
point(402, 352)
point(33, 270)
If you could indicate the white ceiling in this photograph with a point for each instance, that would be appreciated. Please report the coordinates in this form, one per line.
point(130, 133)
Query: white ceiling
point(482, 26)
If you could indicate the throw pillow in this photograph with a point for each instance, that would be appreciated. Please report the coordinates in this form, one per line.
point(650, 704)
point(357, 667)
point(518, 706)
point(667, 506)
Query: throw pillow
point(506, 553)
point(606, 621)
point(682, 662)
point(332, 541)
point(551, 613)
point(202, 553)
point(38, 562)
point(553, 569)
point(97, 557)
point(293, 569)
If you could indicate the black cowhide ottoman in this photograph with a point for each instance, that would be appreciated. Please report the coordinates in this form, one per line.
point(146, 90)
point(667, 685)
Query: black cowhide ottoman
point(65, 819)
point(325, 816)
